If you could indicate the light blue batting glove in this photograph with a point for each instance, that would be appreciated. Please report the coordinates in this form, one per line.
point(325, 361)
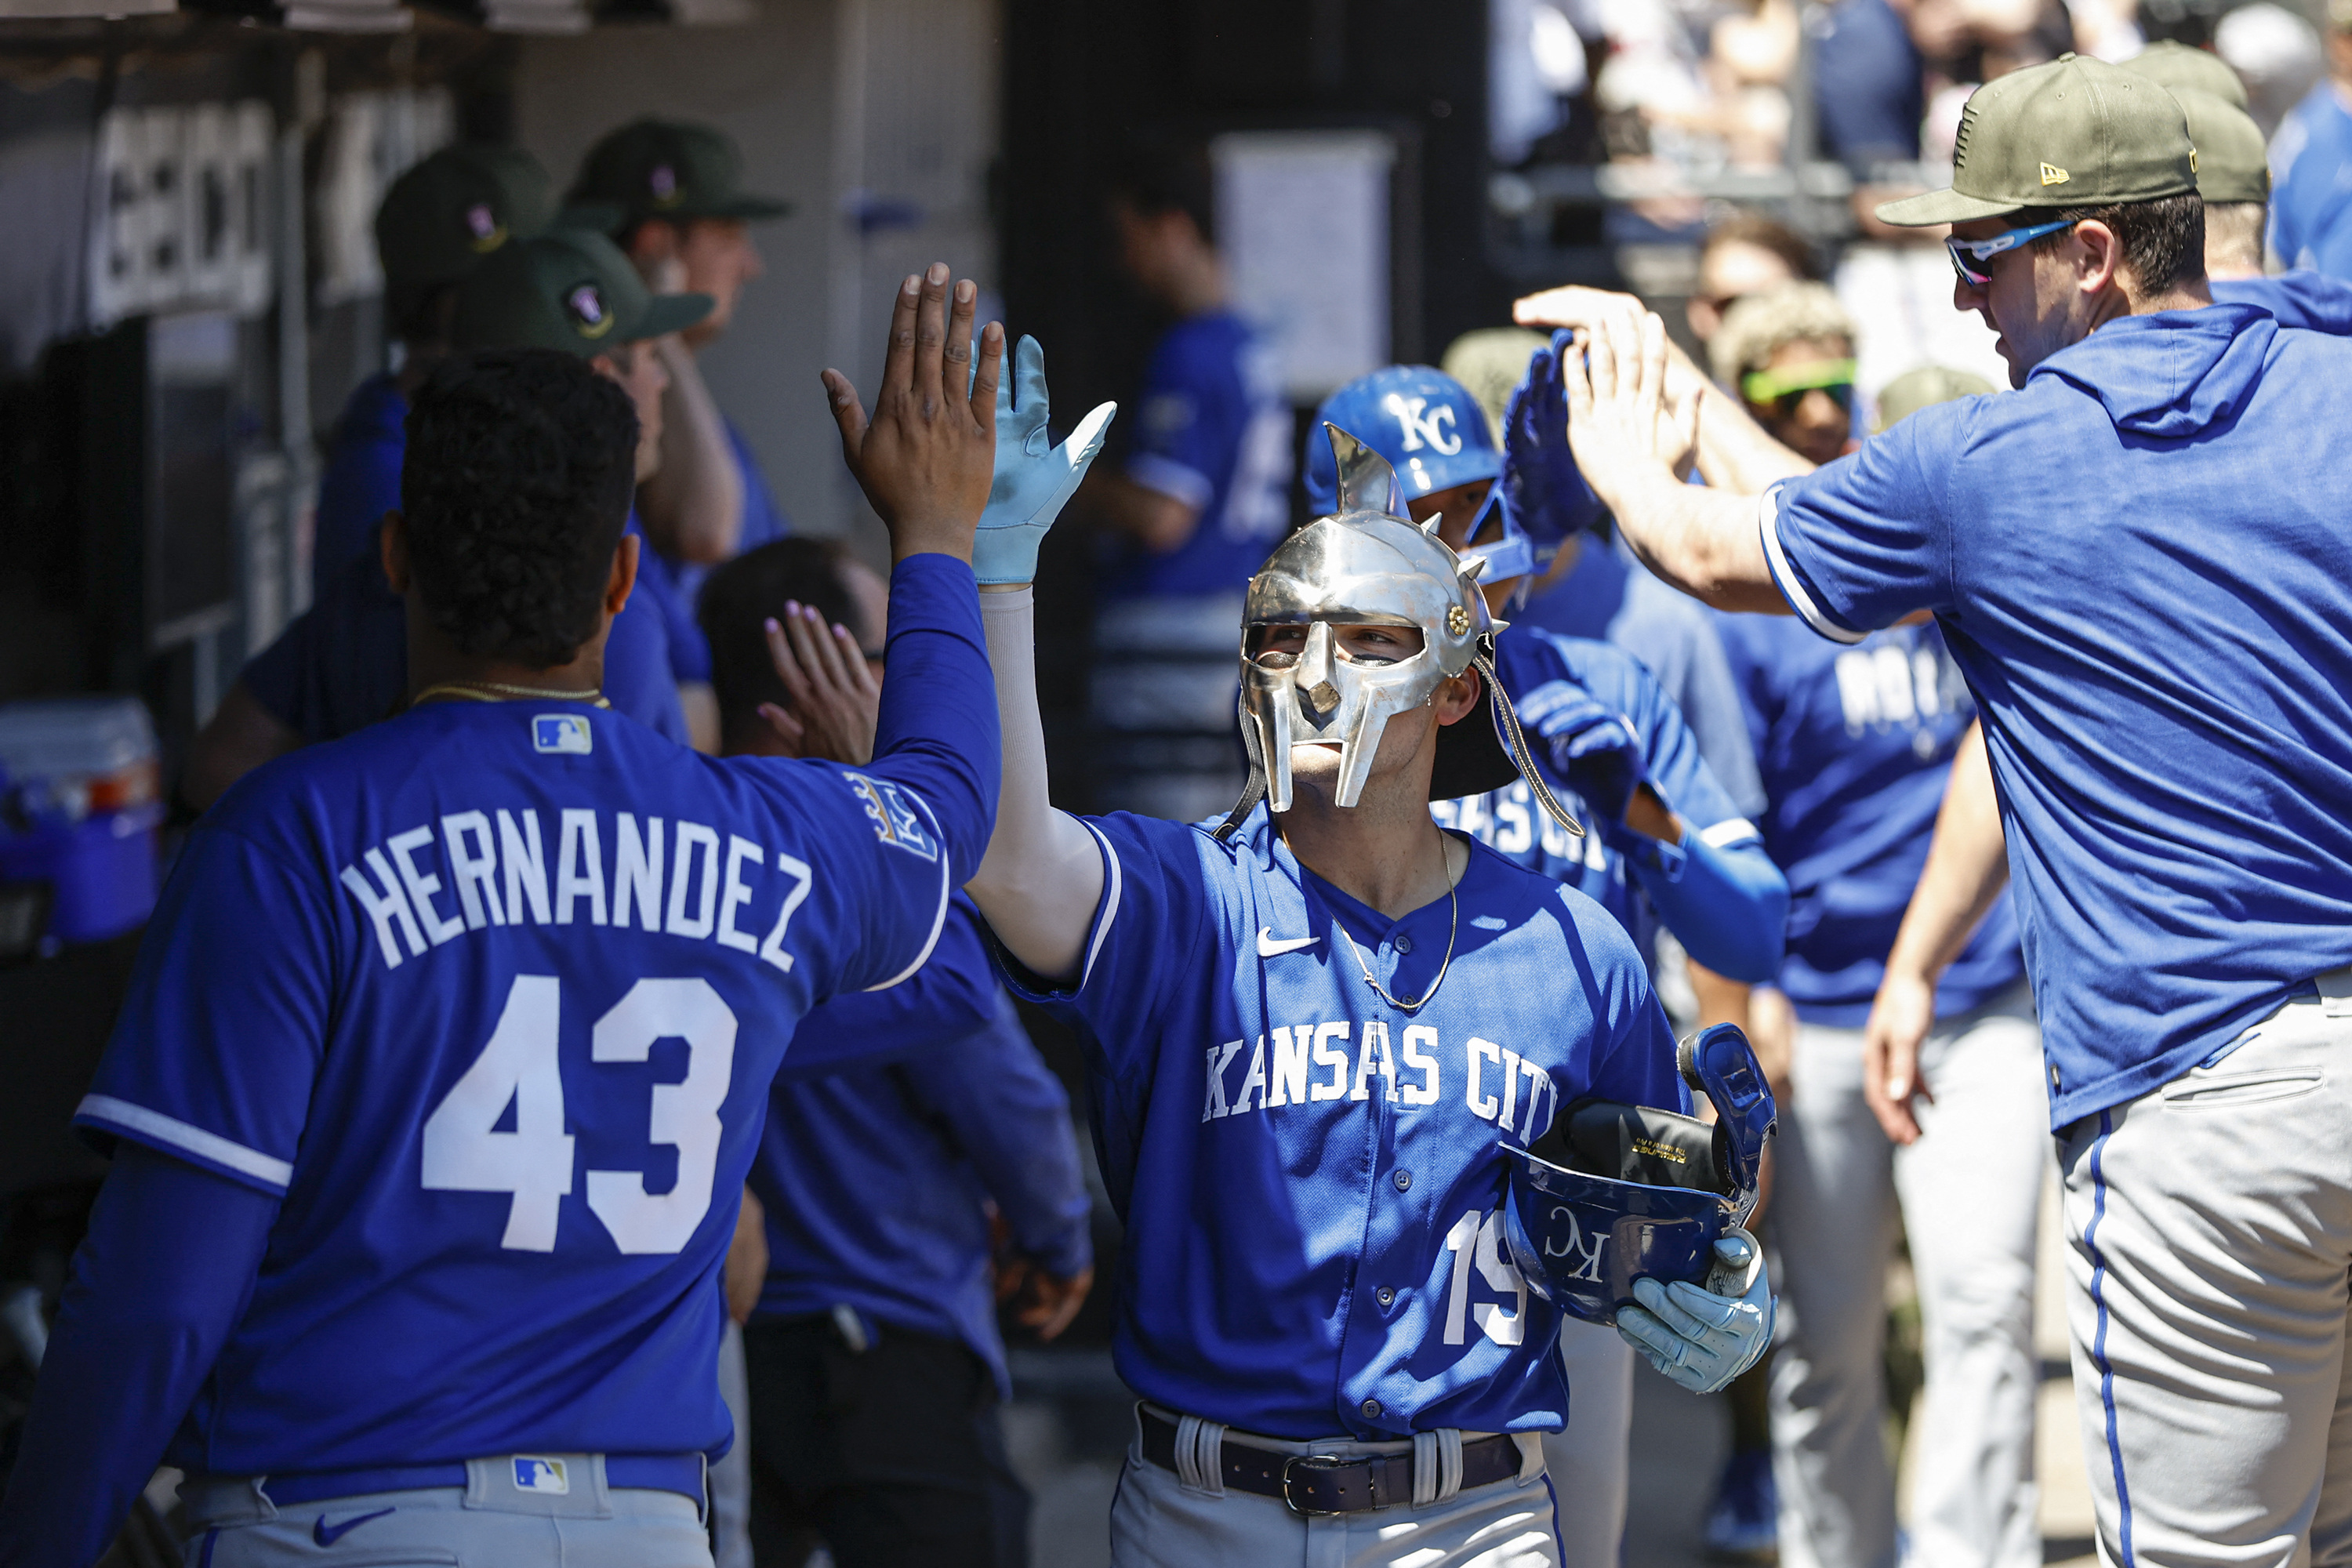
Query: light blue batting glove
point(1034, 478)
point(1703, 1338)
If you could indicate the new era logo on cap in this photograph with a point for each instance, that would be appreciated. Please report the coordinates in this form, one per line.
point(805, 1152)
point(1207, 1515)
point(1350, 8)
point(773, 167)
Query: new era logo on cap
point(564, 733)
point(2051, 174)
point(585, 305)
point(542, 1478)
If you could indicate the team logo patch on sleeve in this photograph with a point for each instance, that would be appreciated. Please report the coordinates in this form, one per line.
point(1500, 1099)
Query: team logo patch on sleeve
point(565, 733)
point(896, 821)
point(544, 1478)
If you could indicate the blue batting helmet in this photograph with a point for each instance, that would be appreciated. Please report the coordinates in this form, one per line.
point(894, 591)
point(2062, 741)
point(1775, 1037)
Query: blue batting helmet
point(1614, 1192)
point(1421, 419)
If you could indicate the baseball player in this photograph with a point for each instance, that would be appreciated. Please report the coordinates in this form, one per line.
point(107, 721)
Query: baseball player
point(451, 1041)
point(1856, 743)
point(342, 664)
point(1309, 1031)
point(876, 1314)
point(1615, 748)
point(2134, 561)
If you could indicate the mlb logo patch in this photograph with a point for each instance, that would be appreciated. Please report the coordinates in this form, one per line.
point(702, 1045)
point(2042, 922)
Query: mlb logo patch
point(540, 1478)
point(564, 733)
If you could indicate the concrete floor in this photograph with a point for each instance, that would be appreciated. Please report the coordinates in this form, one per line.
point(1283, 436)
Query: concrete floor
point(1069, 1427)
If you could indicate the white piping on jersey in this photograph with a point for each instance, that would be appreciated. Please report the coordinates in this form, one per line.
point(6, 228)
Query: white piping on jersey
point(188, 1139)
point(1731, 830)
point(1110, 900)
point(1784, 576)
point(940, 916)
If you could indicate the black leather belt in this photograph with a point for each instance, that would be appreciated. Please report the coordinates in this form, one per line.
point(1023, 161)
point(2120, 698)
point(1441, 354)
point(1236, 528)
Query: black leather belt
point(1314, 1483)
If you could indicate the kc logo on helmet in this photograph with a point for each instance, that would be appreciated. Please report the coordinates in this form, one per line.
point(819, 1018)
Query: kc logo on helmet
point(485, 231)
point(1433, 430)
point(1582, 1251)
point(585, 305)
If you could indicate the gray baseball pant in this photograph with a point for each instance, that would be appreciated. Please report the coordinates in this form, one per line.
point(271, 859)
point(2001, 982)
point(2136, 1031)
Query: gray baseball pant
point(1159, 1520)
point(487, 1520)
point(1971, 1191)
point(2211, 1230)
point(1590, 1463)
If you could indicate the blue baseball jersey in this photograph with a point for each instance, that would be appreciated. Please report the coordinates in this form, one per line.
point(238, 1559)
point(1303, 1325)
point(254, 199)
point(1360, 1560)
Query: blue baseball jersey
point(876, 1181)
point(1212, 431)
point(2298, 299)
point(662, 584)
point(1857, 744)
point(1311, 1176)
point(2137, 561)
point(490, 997)
point(2311, 196)
point(1536, 667)
point(1609, 596)
point(362, 479)
point(343, 663)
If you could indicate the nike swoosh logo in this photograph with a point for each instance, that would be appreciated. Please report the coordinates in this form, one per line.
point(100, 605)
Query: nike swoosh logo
point(1267, 947)
point(326, 1535)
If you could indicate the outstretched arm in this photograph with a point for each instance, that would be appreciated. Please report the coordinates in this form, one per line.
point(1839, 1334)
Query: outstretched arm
point(1967, 868)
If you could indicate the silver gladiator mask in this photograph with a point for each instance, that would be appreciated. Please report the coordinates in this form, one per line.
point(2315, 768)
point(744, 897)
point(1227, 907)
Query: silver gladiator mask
point(1369, 564)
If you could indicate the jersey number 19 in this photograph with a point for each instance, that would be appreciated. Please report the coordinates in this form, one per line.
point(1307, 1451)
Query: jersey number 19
point(464, 1152)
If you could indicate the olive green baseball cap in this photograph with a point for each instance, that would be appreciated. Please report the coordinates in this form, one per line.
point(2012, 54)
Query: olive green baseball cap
point(2075, 132)
point(566, 289)
point(2173, 66)
point(2232, 165)
point(669, 169)
point(451, 210)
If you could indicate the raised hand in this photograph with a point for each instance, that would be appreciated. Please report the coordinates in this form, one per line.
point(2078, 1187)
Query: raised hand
point(835, 699)
point(926, 456)
point(1540, 480)
point(1623, 427)
point(1034, 479)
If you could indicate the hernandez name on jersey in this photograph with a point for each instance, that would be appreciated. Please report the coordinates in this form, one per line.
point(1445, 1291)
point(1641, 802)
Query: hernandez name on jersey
point(501, 1039)
point(1310, 1173)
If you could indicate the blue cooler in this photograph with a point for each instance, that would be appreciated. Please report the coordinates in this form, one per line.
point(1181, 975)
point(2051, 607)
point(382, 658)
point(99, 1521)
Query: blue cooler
point(79, 809)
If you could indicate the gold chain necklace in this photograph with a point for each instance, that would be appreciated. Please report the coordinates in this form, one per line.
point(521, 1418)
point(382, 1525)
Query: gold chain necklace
point(501, 691)
point(1453, 893)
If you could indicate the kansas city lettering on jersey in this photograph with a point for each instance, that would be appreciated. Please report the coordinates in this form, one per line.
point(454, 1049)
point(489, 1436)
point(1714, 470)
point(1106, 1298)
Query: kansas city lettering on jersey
point(469, 871)
point(1309, 1064)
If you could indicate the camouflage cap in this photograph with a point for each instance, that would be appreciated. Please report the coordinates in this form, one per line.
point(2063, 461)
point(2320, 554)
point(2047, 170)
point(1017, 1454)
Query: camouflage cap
point(566, 289)
point(669, 169)
point(2075, 132)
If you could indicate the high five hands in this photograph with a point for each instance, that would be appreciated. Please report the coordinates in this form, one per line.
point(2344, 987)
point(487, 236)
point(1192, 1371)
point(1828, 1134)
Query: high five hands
point(926, 455)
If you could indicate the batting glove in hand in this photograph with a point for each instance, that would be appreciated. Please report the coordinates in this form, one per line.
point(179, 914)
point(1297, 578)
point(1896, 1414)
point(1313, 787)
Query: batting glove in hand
point(1704, 1337)
point(1595, 751)
point(1541, 483)
point(1034, 478)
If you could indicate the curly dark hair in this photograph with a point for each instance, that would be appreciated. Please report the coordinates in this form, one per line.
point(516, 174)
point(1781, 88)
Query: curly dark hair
point(515, 488)
point(739, 598)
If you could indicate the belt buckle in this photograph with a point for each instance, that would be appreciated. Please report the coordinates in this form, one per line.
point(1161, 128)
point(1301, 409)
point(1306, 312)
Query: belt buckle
point(1291, 1501)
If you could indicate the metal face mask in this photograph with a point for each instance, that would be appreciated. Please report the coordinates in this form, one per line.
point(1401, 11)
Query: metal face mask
point(1366, 564)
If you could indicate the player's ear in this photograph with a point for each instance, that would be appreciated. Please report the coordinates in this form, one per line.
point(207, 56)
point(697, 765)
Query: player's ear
point(392, 539)
point(623, 575)
point(1456, 698)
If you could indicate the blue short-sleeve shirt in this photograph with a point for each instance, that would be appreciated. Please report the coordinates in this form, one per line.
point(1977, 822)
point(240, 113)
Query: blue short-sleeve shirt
point(2136, 561)
point(1311, 1176)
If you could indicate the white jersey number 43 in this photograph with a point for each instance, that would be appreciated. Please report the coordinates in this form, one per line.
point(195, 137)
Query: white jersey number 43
point(464, 1152)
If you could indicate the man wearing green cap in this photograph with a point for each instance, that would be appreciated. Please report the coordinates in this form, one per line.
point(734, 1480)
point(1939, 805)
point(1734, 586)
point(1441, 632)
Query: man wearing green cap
point(342, 664)
point(436, 224)
point(2135, 561)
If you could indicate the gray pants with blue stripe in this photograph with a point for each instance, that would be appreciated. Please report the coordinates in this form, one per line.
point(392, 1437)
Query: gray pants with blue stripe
point(2210, 1231)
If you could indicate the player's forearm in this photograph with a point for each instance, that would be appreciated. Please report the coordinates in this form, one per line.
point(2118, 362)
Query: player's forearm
point(1735, 454)
point(1043, 875)
point(1158, 521)
point(1011, 1117)
point(694, 504)
point(936, 733)
point(157, 1286)
point(1967, 866)
point(1727, 907)
point(1702, 540)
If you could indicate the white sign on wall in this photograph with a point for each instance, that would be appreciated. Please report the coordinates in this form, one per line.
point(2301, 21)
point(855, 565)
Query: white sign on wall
point(1303, 221)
